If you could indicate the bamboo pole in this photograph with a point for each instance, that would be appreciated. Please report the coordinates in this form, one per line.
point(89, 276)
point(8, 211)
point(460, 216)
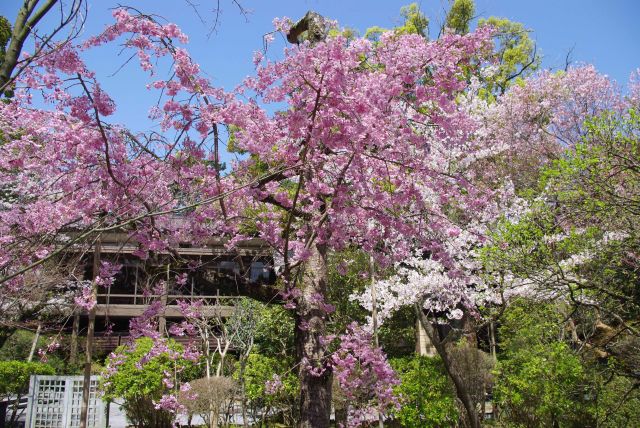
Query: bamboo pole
point(34, 344)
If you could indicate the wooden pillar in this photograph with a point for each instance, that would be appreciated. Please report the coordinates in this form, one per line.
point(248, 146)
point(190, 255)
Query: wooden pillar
point(162, 321)
point(88, 352)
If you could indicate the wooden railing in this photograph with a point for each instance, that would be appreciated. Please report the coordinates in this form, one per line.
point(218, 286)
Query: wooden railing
point(107, 343)
point(131, 305)
point(171, 299)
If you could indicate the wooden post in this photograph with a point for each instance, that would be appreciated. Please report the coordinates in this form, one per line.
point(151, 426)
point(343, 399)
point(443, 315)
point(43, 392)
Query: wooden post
point(107, 413)
point(86, 385)
point(162, 321)
point(73, 354)
point(374, 316)
point(374, 303)
point(135, 286)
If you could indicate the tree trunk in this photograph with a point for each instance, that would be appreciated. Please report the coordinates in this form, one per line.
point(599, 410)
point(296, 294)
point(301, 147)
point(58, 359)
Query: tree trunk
point(24, 24)
point(314, 373)
point(462, 391)
point(492, 341)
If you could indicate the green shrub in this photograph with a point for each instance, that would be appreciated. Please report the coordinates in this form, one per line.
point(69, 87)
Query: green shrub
point(539, 380)
point(426, 394)
point(14, 380)
point(18, 345)
point(260, 369)
point(140, 383)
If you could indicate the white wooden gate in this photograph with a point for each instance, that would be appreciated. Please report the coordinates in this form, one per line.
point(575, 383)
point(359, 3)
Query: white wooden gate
point(55, 402)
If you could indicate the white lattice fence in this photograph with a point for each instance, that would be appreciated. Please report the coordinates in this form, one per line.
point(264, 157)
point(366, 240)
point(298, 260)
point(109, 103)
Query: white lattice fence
point(55, 401)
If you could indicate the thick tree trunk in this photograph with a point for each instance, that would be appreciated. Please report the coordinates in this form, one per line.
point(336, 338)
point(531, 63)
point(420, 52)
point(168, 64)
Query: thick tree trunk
point(462, 392)
point(315, 373)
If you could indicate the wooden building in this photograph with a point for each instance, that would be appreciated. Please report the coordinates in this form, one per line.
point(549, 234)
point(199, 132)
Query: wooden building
point(210, 273)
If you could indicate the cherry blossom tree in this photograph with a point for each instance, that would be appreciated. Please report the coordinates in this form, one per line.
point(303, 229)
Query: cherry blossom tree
point(543, 116)
point(361, 154)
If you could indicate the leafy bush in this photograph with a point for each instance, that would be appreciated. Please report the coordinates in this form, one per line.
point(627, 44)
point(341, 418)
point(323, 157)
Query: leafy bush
point(142, 381)
point(427, 396)
point(18, 345)
point(259, 372)
point(14, 380)
point(540, 381)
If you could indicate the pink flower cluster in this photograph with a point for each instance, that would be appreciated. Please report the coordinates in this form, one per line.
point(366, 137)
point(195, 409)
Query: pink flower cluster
point(274, 385)
point(365, 376)
point(85, 298)
point(52, 346)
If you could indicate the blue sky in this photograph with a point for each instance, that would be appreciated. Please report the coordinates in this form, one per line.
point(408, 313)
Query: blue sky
point(604, 33)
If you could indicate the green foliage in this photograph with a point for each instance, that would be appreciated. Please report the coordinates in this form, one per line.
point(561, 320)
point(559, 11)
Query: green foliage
point(460, 15)
point(398, 333)
point(374, 33)
point(133, 381)
point(348, 33)
point(515, 51)
point(540, 380)
point(140, 383)
point(15, 375)
point(415, 22)
point(599, 177)
point(543, 381)
point(428, 399)
point(616, 400)
point(5, 36)
point(14, 382)
point(575, 241)
point(18, 345)
point(258, 370)
point(232, 131)
point(526, 323)
point(274, 331)
point(541, 386)
point(346, 277)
